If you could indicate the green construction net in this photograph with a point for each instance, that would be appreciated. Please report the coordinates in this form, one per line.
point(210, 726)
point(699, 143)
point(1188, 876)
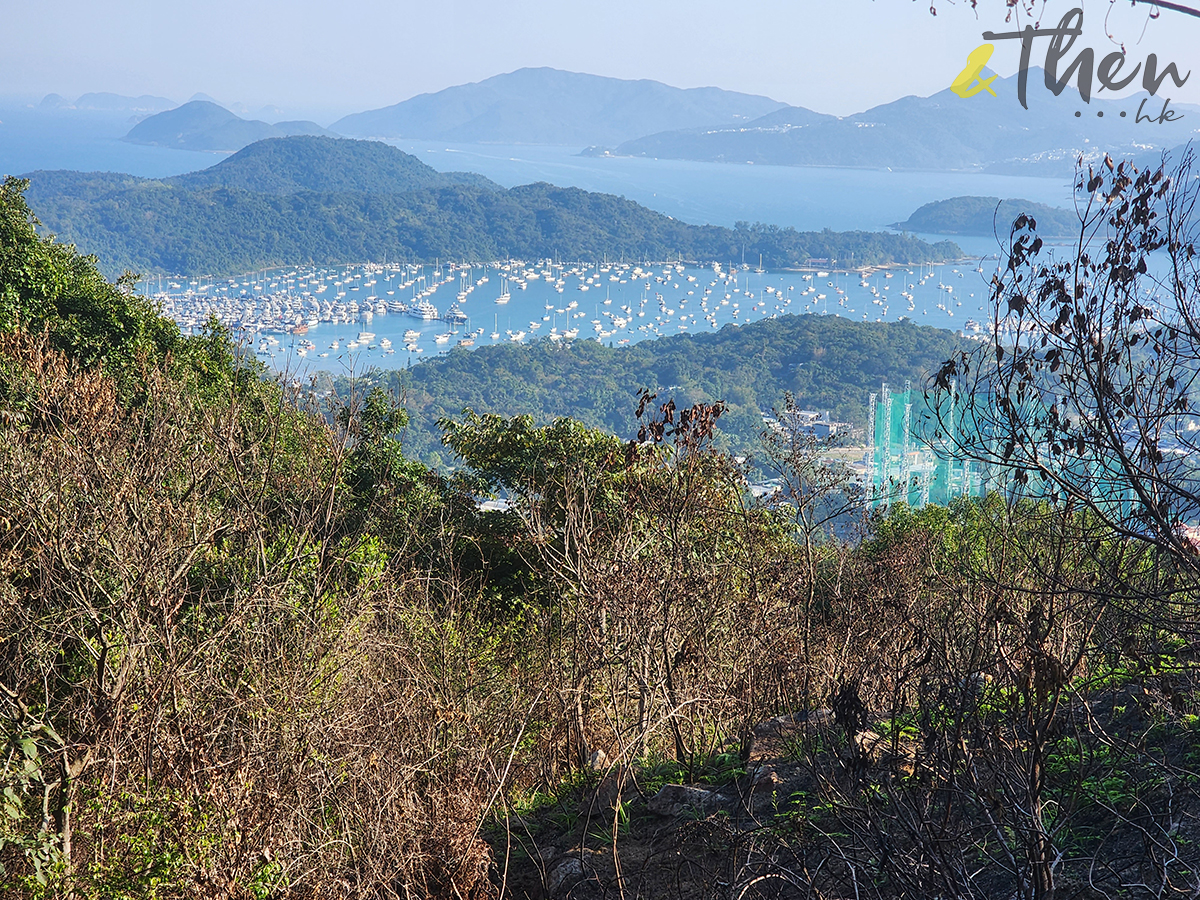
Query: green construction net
point(907, 462)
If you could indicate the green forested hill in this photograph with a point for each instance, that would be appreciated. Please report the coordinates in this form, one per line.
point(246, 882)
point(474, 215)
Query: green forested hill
point(158, 227)
point(987, 216)
point(826, 362)
point(312, 163)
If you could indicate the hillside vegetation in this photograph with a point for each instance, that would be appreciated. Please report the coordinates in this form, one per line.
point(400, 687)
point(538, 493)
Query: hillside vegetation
point(299, 200)
point(325, 164)
point(823, 362)
point(989, 216)
point(250, 648)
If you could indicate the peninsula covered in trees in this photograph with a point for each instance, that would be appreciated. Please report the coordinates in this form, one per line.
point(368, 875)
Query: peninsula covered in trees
point(823, 362)
point(988, 216)
point(325, 201)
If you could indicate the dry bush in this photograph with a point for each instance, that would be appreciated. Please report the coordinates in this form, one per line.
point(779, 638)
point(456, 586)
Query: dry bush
point(664, 634)
point(991, 736)
point(222, 688)
point(228, 669)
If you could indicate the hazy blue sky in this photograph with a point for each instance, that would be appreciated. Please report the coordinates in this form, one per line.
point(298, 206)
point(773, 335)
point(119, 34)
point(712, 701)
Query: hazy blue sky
point(323, 59)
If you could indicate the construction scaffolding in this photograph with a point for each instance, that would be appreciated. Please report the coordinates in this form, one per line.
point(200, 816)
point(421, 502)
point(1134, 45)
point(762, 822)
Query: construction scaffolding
point(907, 461)
point(905, 464)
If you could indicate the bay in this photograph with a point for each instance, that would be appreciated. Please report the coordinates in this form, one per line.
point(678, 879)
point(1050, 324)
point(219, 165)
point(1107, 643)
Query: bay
point(804, 197)
point(350, 319)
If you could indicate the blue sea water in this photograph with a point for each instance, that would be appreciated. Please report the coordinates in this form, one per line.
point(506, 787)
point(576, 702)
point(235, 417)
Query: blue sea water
point(613, 304)
point(87, 141)
point(696, 192)
point(806, 198)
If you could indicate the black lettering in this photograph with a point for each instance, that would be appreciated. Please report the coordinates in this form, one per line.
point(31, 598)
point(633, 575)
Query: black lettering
point(1083, 62)
point(1062, 39)
point(1166, 115)
point(1110, 66)
point(1026, 37)
point(1151, 80)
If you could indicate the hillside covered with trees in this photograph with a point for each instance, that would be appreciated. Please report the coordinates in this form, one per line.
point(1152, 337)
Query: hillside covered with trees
point(325, 164)
point(823, 362)
point(250, 648)
point(306, 200)
point(988, 216)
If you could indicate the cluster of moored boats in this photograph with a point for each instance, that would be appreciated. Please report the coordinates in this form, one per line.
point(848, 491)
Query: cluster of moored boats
point(276, 309)
point(292, 302)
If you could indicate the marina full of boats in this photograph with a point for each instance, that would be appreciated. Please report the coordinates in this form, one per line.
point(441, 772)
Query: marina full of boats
point(388, 315)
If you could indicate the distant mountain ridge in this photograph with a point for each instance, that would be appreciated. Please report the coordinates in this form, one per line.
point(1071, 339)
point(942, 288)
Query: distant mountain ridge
point(551, 106)
point(203, 125)
point(108, 102)
point(940, 132)
point(615, 117)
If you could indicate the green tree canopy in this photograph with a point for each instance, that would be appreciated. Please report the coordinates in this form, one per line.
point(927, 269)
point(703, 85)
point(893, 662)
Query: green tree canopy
point(51, 286)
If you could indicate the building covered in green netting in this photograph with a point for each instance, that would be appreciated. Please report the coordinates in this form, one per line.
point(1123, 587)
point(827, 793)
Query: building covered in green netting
point(909, 460)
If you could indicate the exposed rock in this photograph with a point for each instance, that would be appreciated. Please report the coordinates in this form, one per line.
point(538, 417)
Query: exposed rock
point(564, 876)
point(766, 776)
point(866, 749)
point(611, 786)
point(872, 749)
point(787, 722)
point(674, 799)
point(870, 745)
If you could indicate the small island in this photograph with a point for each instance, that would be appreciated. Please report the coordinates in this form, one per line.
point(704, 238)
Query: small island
point(986, 216)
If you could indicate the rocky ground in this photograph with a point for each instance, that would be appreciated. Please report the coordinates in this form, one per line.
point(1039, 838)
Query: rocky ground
point(766, 827)
point(623, 833)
